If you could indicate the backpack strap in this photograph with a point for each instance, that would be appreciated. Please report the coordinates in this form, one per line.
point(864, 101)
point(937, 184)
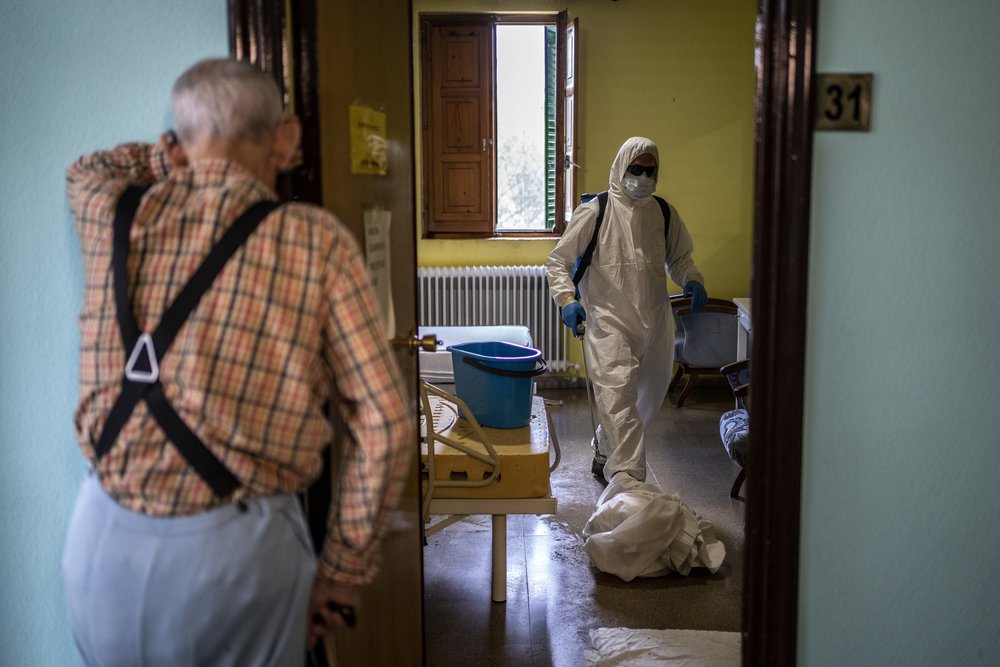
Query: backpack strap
point(602, 202)
point(145, 350)
point(665, 210)
point(584, 261)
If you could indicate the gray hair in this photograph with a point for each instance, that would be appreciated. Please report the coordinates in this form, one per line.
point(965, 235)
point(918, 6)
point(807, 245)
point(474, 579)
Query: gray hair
point(225, 99)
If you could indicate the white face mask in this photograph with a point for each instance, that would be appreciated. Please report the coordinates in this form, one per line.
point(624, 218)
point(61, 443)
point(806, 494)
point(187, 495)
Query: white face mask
point(639, 187)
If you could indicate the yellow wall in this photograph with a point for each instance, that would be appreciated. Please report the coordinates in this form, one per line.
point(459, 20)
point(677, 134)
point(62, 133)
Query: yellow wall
point(678, 71)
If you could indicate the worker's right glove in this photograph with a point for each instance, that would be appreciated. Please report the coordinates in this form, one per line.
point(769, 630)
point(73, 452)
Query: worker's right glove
point(699, 297)
point(572, 315)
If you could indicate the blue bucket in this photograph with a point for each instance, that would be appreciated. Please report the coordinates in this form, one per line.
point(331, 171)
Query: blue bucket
point(495, 379)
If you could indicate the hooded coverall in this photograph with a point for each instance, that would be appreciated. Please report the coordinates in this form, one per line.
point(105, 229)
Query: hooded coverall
point(629, 338)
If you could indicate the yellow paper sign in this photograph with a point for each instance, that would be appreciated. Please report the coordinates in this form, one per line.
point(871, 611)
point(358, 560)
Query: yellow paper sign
point(368, 145)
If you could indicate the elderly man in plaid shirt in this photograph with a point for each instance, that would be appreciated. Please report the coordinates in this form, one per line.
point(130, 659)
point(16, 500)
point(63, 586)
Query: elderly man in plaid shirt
point(218, 332)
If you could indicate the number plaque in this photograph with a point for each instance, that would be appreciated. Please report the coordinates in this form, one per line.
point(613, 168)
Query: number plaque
point(843, 101)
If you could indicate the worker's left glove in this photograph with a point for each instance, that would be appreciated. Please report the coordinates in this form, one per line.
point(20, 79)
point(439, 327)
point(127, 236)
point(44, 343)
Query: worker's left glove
point(696, 291)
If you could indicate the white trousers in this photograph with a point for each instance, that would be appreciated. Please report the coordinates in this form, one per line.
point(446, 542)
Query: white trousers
point(630, 378)
point(225, 587)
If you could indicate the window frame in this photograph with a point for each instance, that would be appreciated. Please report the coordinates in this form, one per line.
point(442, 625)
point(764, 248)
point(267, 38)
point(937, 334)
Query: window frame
point(432, 228)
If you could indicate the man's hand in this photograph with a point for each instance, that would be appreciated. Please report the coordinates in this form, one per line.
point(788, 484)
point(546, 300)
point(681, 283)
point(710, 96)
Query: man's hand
point(331, 606)
point(287, 153)
point(173, 150)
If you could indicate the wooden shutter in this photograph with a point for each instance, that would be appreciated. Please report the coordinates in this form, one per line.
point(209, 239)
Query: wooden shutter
point(569, 121)
point(552, 143)
point(457, 68)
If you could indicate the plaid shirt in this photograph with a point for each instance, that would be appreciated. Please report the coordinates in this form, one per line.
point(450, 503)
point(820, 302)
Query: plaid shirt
point(289, 323)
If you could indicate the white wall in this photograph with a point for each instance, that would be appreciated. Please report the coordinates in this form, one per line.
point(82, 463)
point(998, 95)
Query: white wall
point(75, 76)
point(901, 481)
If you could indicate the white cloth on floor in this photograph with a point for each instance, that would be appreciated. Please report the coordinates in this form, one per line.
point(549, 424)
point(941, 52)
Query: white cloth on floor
point(624, 647)
point(640, 531)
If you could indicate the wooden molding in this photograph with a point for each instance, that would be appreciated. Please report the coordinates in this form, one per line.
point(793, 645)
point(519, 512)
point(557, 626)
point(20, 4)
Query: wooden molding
point(264, 34)
point(785, 55)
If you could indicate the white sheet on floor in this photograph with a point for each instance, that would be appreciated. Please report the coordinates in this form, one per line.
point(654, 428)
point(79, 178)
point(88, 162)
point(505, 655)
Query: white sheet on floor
point(625, 647)
point(640, 531)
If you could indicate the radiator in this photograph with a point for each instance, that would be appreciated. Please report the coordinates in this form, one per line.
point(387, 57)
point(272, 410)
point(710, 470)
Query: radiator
point(490, 295)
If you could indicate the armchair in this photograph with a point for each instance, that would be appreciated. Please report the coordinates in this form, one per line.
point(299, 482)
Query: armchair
point(704, 341)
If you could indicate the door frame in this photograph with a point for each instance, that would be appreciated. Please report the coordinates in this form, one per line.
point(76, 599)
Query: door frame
point(786, 32)
point(279, 36)
point(262, 32)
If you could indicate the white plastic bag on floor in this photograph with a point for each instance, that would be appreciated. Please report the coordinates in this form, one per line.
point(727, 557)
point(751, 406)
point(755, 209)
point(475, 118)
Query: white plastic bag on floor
point(640, 531)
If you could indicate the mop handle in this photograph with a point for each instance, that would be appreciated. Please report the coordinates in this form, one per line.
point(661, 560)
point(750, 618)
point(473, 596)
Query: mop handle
point(580, 329)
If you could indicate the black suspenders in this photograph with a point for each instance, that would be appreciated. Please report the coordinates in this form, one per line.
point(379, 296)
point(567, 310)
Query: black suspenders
point(144, 351)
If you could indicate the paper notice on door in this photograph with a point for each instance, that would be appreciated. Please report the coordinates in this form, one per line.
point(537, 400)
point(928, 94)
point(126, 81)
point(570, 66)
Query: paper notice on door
point(368, 141)
point(378, 264)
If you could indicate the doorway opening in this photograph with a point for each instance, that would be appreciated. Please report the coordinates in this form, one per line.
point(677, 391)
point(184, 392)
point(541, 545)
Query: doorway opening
point(785, 36)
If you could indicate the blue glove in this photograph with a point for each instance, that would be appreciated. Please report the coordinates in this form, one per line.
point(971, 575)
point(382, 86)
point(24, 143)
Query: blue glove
point(572, 315)
point(699, 296)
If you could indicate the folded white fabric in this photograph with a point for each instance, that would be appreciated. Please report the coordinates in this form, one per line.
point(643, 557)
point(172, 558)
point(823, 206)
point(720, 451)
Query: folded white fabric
point(640, 531)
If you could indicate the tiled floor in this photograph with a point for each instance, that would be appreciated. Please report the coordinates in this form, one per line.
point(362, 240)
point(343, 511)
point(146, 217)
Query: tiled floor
point(554, 594)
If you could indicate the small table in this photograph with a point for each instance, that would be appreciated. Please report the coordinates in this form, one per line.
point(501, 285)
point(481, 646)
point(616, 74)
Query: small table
point(523, 487)
point(744, 332)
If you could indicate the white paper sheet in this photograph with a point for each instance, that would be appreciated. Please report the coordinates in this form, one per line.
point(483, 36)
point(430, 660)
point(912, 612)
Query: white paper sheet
point(378, 263)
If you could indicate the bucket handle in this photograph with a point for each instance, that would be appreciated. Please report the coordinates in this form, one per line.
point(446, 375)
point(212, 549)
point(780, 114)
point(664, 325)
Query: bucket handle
point(501, 371)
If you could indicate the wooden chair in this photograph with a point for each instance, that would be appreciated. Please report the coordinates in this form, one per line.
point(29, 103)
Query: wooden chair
point(704, 341)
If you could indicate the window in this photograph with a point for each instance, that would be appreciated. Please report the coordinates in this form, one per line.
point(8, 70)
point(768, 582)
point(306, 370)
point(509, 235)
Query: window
point(525, 127)
point(497, 125)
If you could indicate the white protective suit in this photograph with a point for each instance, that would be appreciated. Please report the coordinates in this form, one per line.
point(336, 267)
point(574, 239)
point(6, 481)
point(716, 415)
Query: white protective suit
point(629, 329)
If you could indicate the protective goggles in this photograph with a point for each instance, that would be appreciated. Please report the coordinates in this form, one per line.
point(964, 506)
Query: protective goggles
point(638, 169)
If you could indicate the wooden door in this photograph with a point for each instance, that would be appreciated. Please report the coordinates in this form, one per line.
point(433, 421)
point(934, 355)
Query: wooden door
point(327, 58)
point(363, 61)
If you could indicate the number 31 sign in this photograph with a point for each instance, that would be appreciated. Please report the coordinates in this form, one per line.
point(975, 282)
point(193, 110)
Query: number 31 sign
point(843, 101)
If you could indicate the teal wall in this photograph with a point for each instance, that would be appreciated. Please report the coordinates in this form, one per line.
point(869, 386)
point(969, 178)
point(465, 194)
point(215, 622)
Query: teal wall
point(900, 544)
point(75, 77)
